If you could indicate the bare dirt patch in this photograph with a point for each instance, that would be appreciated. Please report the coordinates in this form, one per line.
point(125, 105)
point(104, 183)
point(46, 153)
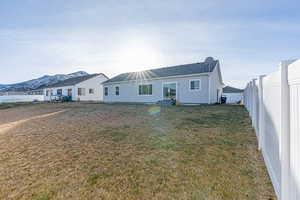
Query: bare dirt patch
point(5, 127)
point(97, 151)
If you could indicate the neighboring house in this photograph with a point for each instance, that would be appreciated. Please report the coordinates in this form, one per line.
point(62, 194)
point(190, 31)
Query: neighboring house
point(233, 95)
point(82, 88)
point(198, 83)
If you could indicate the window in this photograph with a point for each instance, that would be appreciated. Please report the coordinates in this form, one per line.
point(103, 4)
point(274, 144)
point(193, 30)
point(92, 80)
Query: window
point(195, 85)
point(70, 92)
point(145, 89)
point(117, 91)
point(106, 91)
point(91, 91)
point(47, 92)
point(59, 91)
point(81, 91)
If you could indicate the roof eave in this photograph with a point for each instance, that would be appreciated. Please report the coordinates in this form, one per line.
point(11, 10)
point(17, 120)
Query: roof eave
point(95, 75)
point(166, 77)
point(59, 86)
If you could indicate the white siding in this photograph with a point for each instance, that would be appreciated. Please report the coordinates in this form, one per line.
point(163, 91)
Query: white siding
point(232, 98)
point(215, 85)
point(64, 92)
point(94, 83)
point(129, 91)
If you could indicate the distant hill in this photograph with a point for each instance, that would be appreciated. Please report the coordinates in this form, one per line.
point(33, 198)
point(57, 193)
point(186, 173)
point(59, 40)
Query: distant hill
point(40, 83)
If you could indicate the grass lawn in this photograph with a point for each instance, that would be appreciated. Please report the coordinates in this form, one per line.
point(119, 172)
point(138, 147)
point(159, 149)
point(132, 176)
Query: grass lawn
point(130, 152)
point(12, 105)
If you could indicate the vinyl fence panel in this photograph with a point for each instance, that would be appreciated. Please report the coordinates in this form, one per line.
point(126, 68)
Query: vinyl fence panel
point(272, 123)
point(273, 102)
point(294, 84)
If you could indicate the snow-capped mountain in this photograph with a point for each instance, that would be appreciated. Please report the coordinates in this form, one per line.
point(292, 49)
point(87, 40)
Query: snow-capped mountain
point(41, 82)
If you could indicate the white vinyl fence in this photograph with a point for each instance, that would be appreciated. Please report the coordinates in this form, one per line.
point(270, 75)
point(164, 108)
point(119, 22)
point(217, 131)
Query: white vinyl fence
point(20, 98)
point(273, 102)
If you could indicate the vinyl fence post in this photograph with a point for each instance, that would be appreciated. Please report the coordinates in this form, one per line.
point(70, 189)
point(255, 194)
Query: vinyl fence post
point(246, 97)
point(255, 97)
point(248, 94)
point(261, 114)
point(253, 105)
point(250, 100)
point(285, 132)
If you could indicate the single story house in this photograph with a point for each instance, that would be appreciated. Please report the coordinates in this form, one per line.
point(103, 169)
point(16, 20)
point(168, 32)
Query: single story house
point(81, 88)
point(197, 83)
point(233, 95)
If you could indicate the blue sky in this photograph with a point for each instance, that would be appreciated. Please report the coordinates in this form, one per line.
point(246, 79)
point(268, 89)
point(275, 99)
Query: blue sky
point(50, 37)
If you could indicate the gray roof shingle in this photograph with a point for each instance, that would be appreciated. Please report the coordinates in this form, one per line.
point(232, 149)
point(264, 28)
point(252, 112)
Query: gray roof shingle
point(229, 89)
point(72, 81)
point(194, 68)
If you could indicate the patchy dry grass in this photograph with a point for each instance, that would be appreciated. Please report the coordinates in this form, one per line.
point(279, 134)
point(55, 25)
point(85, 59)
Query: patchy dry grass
point(97, 151)
point(13, 105)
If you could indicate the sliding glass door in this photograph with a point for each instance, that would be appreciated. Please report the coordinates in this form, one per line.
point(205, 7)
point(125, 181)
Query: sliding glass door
point(169, 90)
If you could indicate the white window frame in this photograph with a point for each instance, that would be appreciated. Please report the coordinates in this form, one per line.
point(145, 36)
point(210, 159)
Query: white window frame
point(192, 90)
point(138, 89)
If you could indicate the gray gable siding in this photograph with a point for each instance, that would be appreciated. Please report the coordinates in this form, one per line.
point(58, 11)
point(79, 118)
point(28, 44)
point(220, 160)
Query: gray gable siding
point(129, 90)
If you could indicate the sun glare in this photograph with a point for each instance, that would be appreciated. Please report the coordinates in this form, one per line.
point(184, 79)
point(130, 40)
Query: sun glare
point(138, 54)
